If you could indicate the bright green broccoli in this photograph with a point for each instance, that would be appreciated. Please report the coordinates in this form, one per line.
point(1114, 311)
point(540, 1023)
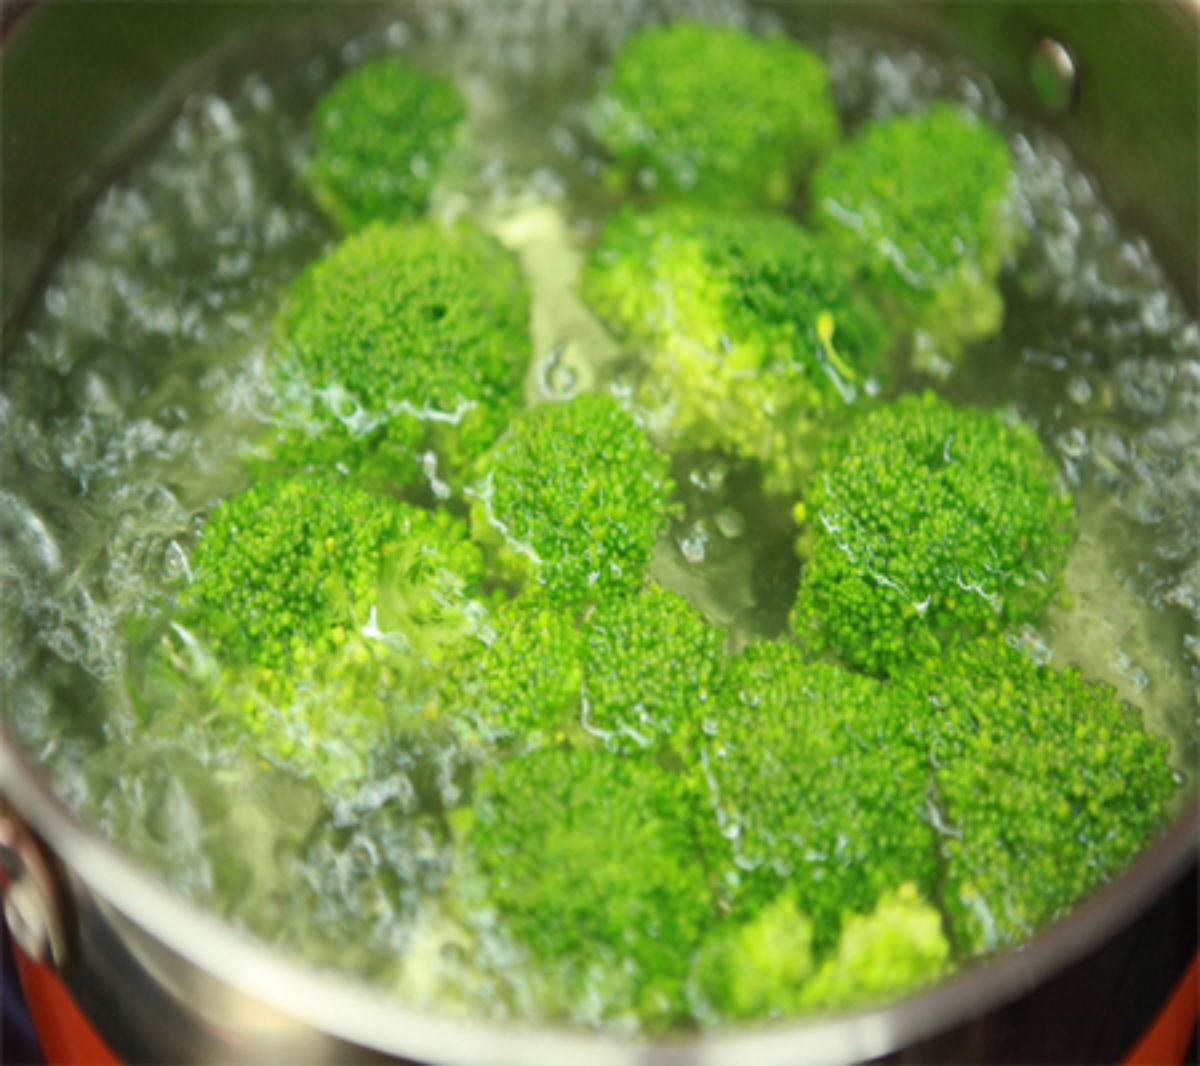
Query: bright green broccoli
point(753, 334)
point(815, 788)
point(639, 669)
point(920, 205)
point(894, 950)
point(593, 866)
point(402, 339)
point(381, 136)
point(287, 571)
point(313, 606)
point(927, 525)
point(573, 496)
point(1047, 787)
point(519, 682)
point(654, 663)
point(714, 113)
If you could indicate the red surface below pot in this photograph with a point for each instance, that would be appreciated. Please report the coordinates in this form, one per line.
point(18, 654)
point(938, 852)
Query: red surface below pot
point(1169, 1039)
point(65, 1035)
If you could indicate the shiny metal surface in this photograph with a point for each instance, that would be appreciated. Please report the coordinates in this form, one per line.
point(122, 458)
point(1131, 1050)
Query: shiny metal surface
point(166, 983)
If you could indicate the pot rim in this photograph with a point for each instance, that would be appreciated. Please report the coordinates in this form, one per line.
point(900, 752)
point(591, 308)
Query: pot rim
point(367, 1017)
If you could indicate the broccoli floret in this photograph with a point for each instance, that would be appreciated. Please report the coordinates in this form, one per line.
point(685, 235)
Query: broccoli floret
point(1047, 785)
point(573, 497)
point(715, 113)
point(382, 135)
point(638, 670)
point(920, 204)
point(815, 788)
point(313, 606)
point(754, 969)
point(765, 968)
point(403, 338)
point(927, 524)
point(753, 333)
point(654, 663)
point(520, 682)
point(593, 865)
point(896, 949)
point(287, 571)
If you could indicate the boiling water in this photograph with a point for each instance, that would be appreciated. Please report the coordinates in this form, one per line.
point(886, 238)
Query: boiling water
point(140, 378)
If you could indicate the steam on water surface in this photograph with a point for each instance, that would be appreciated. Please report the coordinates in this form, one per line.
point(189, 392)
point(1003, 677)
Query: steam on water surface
point(140, 377)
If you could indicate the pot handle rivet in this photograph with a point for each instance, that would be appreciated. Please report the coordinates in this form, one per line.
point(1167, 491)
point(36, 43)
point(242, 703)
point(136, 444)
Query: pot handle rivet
point(31, 908)
point(1054, 77)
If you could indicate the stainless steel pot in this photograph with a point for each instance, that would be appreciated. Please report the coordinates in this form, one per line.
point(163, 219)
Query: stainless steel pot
point(163, 982)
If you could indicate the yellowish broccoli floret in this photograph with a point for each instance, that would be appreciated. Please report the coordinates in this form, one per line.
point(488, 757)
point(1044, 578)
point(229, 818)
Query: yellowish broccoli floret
point(753, 335)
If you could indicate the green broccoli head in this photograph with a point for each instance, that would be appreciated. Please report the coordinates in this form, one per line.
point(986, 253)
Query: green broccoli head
point(815, 788)
point(592, 864)
point(287, 571)
point(920, 204)
point(519, 683)
point(1047, 785)
point(927, 525)
point(314, 605)
point(715, 113)
point(753, 332)
point(403, 338)
point(654, 663)
point(573, 496)
point(896, 949)
point(639, 670)
point(381, 136)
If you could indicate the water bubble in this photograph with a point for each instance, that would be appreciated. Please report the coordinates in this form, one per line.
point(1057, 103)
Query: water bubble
point(34, 549)
point(557, 375)
point(730, 523)
point(1079, 390)
point(694, 544)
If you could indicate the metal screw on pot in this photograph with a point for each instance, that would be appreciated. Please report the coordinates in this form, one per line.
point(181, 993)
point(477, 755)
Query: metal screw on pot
point(1054, 77)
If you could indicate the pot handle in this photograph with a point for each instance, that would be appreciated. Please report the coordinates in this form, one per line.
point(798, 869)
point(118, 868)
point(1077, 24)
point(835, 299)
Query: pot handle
point(33, 900)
